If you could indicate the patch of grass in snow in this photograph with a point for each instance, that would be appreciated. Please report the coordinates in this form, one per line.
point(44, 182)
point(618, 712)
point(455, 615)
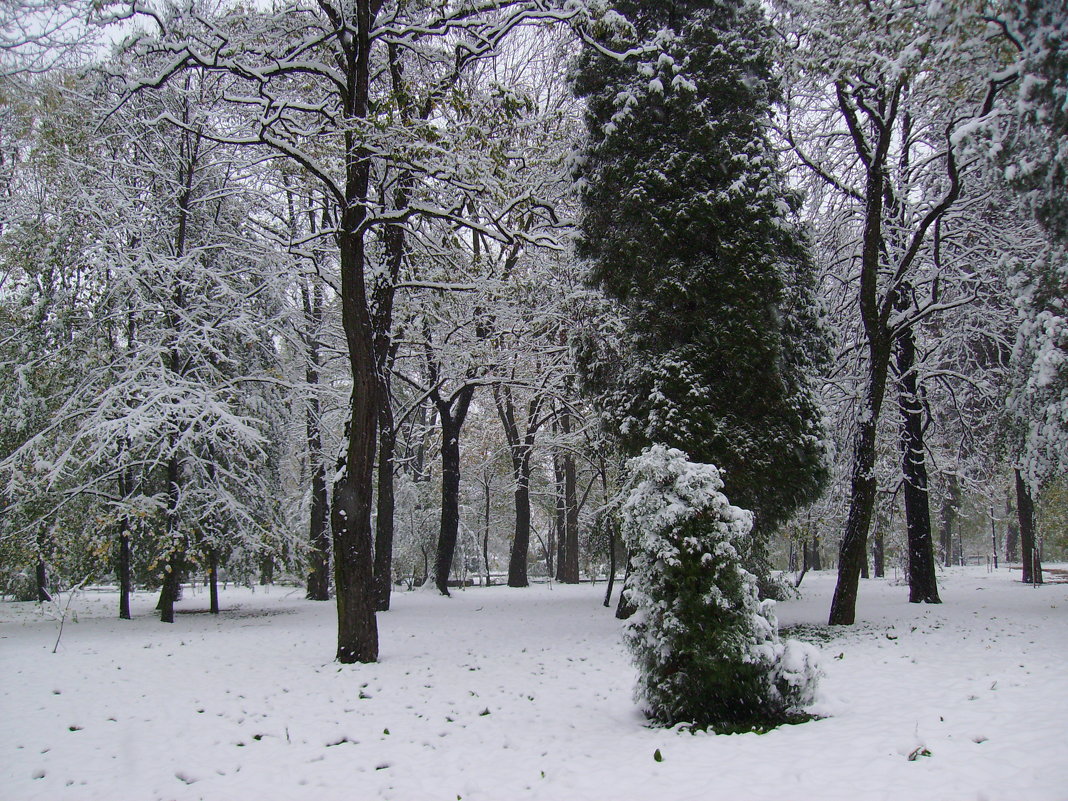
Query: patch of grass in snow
point(821, 634)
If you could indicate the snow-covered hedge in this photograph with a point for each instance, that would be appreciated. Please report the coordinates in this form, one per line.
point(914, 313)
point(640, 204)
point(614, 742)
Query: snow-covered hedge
point(707, 649)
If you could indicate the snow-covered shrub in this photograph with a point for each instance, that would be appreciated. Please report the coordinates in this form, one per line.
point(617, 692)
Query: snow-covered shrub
point(707, 649)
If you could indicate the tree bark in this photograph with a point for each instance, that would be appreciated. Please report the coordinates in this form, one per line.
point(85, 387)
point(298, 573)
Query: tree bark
point(169, 591)
point(557, 532)
point(452, 417)
point(520, 448)
point(124, 570)
point(384, 522)
point(625, 609)
point(879, 555)
point(213, 579)
point(862, 482)
point(862, 498)
point(569, 573)
point(266, 569)
point(923, 582)
point(948, 518)
point(1012, 532)
point(318, 588)
point(486, 523)
point(1025, 510)
point(41, 574)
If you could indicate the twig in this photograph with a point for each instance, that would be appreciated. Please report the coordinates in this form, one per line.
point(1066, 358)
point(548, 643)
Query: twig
point(63, 615)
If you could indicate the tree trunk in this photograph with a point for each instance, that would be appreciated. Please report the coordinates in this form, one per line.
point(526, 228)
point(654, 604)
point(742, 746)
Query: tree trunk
point(384, 522)
point(452, 419)
point(948, 518)
point(176, 547)
point(814, 559)
point(125, 487)
point(168, 593)
point(1032, 563)
point(1012, 532)
point(266, 570)
point(318, 535)
point(43, 595)
point(879, 555)
point(450, 506)
point(611, 560)
point(558, 535)
point(517, 558)
point(520, 448)
point(569, 572)
point(923, 582)
point(861, 500)
point(213, 579)
point(486, 526)
point(353, 492)
point(625, 609)
point(874, 317)
point(124, 570)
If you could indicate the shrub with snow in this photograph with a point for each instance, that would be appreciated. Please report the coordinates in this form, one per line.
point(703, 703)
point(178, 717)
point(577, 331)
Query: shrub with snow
point(707, 649)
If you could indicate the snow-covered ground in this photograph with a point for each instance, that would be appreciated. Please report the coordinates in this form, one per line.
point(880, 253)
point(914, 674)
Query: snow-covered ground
point(514, 694)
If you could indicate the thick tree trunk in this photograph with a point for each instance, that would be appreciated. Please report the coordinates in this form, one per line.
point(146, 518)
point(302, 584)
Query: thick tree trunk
point(450, 505)
point(861, 500)
point(452, 419)
point(517, 558)
point(923, 582)
point(520, 448)
point(384, 522)
point(1032, 563)
point(815, 562)
point(569, 573)
point(874, 314)
point(353, 492)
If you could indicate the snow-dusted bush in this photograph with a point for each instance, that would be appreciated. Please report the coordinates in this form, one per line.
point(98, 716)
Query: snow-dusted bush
point(707, 649)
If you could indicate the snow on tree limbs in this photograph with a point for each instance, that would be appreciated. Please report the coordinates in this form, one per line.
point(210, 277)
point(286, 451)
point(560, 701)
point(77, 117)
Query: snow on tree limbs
point(688, 225)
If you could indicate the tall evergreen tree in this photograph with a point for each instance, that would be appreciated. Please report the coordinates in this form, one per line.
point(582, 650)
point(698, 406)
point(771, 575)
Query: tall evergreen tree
point(688, 225)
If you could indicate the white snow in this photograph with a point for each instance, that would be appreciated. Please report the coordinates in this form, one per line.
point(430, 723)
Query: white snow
point(520, 694)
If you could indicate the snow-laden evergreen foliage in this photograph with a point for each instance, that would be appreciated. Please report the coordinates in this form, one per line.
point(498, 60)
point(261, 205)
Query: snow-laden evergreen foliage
point(707, 649)
point(688, 224)
point(1039, 399)
point(1037, 165)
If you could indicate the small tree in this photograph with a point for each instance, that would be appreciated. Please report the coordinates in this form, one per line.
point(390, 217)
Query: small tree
point(707, 648)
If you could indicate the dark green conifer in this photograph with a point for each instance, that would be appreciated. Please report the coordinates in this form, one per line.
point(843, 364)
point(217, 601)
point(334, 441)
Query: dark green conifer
point(688, 225)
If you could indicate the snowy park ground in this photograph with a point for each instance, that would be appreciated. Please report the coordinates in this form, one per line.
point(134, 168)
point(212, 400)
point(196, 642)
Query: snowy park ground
point(505, 694)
